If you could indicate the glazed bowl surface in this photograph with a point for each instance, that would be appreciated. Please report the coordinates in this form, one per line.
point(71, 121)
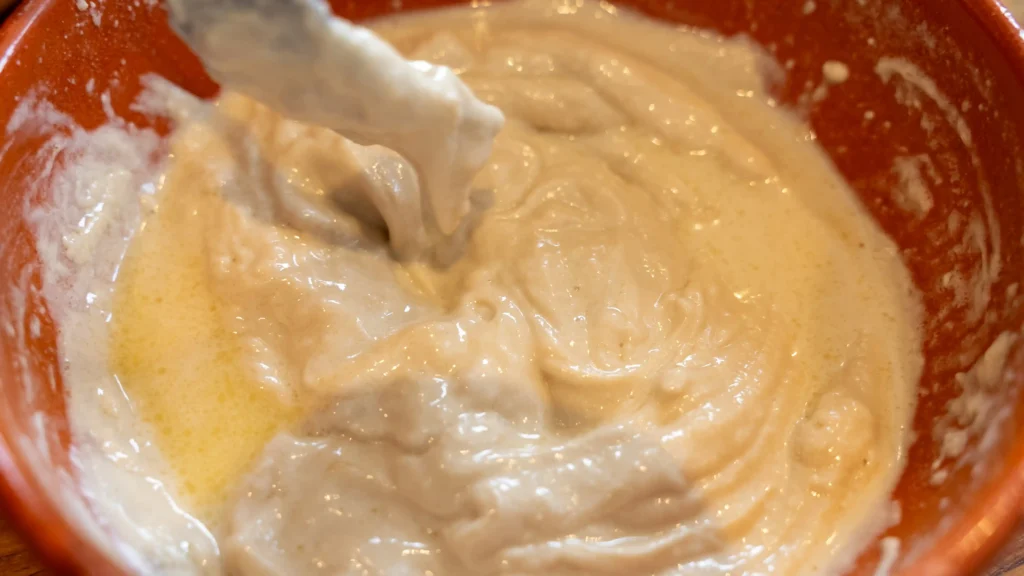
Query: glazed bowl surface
point(958, 104)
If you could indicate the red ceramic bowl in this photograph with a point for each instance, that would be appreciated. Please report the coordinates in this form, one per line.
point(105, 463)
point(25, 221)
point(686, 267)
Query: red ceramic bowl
point(970, 49)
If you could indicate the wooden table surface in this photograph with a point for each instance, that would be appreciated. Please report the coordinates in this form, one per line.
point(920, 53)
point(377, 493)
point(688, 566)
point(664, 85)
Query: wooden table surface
point(16, 560)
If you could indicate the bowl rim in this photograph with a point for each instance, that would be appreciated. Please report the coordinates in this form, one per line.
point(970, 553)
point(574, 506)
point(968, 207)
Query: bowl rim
point(985, 528)
point(973, 540)
point(28, 505)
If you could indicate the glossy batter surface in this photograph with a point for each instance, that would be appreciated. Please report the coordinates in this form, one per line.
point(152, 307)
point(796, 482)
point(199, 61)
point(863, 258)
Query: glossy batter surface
point(670, 340)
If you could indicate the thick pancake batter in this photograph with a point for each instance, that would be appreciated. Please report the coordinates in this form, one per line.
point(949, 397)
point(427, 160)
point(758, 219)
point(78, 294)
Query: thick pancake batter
point(665, 339)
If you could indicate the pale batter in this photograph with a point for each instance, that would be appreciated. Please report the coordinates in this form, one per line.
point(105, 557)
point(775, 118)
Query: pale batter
point(669, 340)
